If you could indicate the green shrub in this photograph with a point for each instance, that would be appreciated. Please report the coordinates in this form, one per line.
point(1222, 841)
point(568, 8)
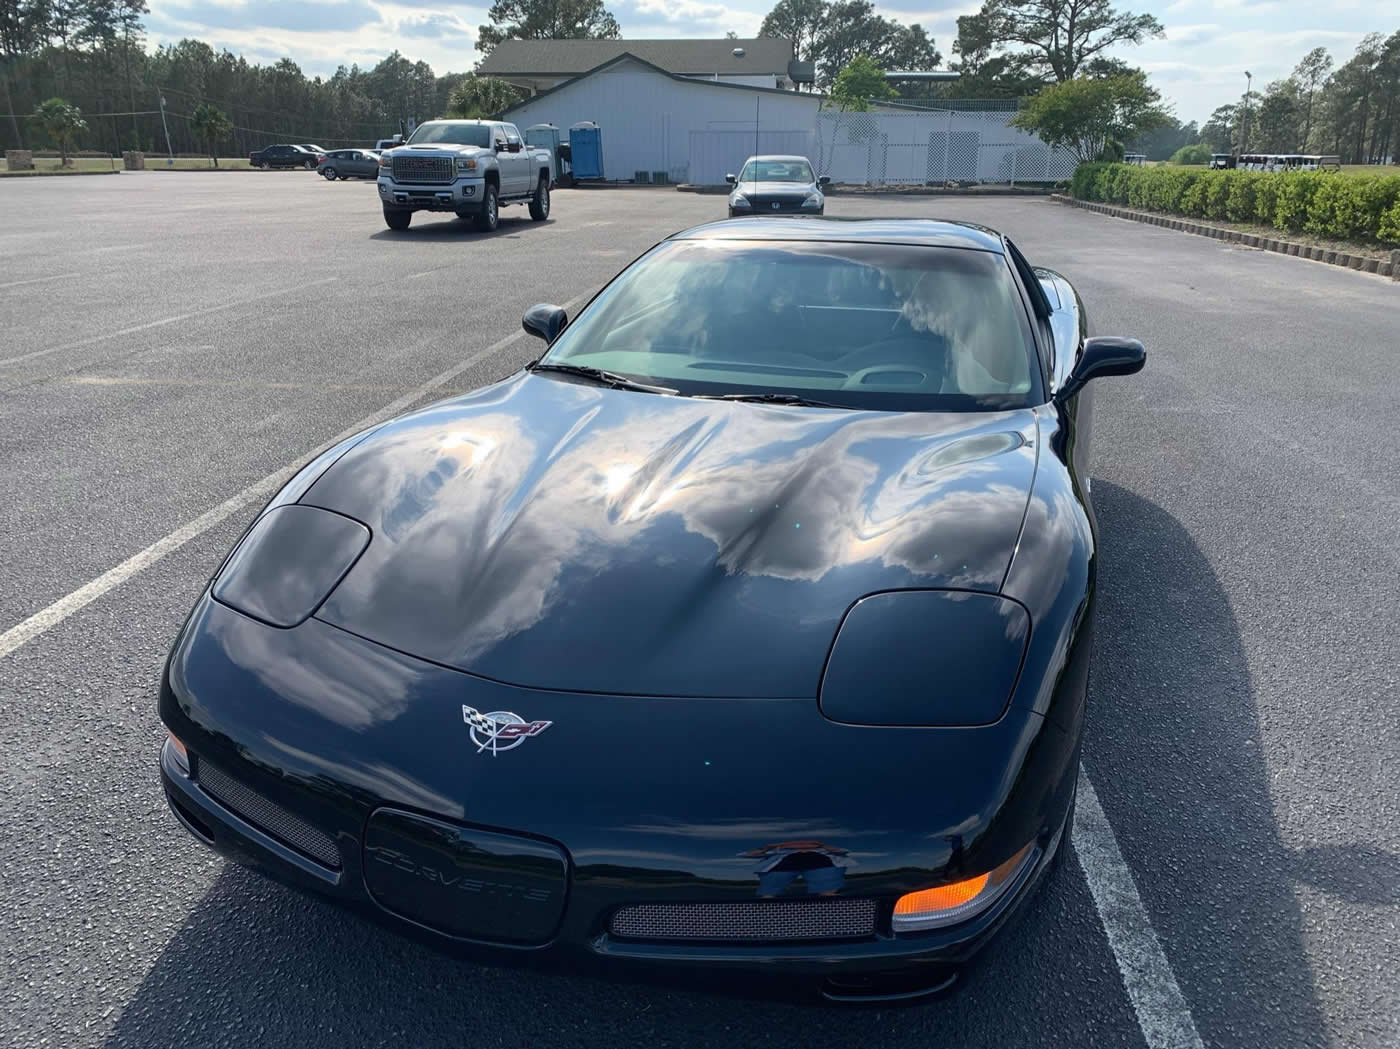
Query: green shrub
point(1218, 192)
point(1239, 204)
point(1390, 224)
point(1265, 197)
point(1193, 198)
point(1329, 203)
point(1196, 154)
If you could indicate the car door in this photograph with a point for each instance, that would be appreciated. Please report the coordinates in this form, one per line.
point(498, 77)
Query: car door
point(520, 161)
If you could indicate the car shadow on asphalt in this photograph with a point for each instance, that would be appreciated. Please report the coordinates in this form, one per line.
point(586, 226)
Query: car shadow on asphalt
point(440, 228)
point(1173, 748)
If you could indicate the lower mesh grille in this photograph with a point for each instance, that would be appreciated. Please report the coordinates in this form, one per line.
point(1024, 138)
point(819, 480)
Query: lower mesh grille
point(268, 816)
point(748, 922)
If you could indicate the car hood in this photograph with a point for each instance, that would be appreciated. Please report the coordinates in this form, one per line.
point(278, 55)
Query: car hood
point(552, 534)
point(777, 189)
point(439, 147)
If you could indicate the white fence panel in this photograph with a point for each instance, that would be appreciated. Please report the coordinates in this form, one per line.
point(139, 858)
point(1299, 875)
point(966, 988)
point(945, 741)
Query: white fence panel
point(881, 148)
point(714, 154)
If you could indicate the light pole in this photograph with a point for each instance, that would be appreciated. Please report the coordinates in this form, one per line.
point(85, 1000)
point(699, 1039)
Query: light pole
point(1244, 123)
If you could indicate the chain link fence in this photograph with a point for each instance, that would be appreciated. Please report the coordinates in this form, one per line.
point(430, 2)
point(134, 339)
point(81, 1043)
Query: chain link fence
point(933, 148)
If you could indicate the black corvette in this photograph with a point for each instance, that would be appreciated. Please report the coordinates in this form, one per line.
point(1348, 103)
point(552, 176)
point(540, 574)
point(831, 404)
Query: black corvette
point(747, 629)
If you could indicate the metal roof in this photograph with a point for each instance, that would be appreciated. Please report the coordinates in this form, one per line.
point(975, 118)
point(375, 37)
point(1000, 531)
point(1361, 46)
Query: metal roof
point(940, 233)
point(573, 57)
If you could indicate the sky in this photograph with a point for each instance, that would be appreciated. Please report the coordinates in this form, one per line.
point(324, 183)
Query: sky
point(1199, 64)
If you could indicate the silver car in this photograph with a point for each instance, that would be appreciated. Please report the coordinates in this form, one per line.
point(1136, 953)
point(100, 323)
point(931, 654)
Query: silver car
point(349, 163)
point(776, 185)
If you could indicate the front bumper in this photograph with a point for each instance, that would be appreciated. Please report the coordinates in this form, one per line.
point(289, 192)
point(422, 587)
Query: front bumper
point(326, 735)
point(463, 194)
point(927, 959)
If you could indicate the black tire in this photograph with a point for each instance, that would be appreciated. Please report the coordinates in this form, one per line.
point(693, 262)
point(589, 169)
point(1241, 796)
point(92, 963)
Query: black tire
point(489, 217)
point(539, 203)
point(397, 218)
point(329, 173)
point(261, 165)
point(311, 165)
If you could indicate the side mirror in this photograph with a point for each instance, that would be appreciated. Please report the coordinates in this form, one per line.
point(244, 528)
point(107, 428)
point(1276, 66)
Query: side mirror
point(500, 145)
point(1103, 355)
point(513, 147)
point(545, 321)
point(824, 180)
point(730, 179)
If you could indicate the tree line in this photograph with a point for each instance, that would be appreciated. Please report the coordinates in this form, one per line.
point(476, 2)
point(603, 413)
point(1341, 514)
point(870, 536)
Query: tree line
point(93, 55)
point(1352, 110)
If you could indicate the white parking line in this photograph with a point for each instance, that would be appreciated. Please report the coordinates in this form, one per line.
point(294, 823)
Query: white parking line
point(161, 323)
point(48, 618)
point(36, 280)
point(1161, 1009)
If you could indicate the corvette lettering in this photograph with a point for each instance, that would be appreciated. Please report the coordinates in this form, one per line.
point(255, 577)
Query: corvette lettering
point(500, 729)
point(448, 880)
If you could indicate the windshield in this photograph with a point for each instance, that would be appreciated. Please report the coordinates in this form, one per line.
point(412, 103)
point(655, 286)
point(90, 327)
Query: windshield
point(453, 134)
point(777, 171)
point(893, 327)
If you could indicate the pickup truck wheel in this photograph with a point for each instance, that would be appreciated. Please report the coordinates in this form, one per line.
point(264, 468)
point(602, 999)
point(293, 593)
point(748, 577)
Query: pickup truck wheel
point(397, 218)
point(490, 214)
point(539, 203)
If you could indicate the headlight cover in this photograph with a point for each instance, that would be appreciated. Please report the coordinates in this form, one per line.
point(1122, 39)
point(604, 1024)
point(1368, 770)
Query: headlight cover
point(738, 200)
point(814, 200)
point(926, 658)
point(465, 164)
point(289, 562)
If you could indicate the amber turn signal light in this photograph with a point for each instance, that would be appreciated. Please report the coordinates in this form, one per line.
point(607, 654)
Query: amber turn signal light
point(959, 900)
point(178, 753)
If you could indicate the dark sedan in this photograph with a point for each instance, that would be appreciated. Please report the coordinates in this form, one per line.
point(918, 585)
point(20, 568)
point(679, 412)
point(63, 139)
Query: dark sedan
point(748, 629)
point(776, 185)
point(282, 156)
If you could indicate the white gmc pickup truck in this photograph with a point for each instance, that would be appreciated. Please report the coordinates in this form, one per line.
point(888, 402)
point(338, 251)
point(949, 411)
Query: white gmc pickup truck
point(471, 167)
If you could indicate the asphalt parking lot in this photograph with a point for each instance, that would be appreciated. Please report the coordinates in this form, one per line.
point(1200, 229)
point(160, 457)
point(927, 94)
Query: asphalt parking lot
point(173, 343)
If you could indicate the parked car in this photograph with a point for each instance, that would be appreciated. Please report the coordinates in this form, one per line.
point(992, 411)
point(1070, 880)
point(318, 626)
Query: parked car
point(311, 148)
point(471, 167)
point(283, 156)
point(804, 500)
point(349, 163)
point(389, 143)
point(777, 185)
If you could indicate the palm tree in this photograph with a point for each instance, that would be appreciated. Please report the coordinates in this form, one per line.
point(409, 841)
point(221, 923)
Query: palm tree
point(211, 127)
point(62, 120)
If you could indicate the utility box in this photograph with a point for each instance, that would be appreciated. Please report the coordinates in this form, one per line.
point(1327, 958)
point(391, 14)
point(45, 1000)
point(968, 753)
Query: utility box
point(546, 136)
point(586, 150)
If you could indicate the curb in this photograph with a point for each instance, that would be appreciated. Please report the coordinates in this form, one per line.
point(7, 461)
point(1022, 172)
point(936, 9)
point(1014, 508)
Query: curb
point(1328, 256)
point(55, 174)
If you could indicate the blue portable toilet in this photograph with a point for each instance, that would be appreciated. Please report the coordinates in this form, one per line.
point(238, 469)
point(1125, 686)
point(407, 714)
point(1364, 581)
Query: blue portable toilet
point(586, 150)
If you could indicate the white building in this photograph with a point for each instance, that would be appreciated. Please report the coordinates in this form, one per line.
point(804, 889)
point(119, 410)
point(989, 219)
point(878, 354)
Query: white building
point(689, 129)
point(659, 124)
point(538, 65)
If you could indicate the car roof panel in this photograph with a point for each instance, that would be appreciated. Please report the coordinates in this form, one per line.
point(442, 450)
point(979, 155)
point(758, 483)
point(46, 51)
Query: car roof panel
point(930, 232)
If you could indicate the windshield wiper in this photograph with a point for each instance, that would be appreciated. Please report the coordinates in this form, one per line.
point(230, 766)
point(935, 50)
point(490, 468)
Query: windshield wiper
point(598, 375)
point(770, 398)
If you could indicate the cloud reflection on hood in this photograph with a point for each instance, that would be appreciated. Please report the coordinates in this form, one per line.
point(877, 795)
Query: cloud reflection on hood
point(637, 530)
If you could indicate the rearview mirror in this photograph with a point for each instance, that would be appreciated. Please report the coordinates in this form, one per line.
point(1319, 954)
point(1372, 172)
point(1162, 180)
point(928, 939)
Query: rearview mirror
point(730, 179)
point(1103, 355)
point(545, 321)
point(823, 180)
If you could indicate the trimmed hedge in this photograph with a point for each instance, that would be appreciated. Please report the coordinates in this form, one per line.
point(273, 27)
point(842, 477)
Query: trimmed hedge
point(1327, 203)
